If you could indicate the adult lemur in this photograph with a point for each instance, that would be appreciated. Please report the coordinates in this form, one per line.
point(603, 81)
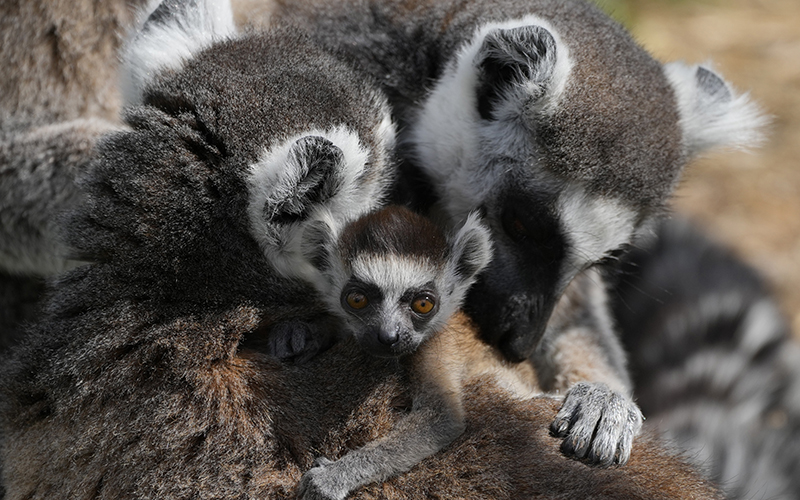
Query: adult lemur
point(569, 138)
point(145, 376)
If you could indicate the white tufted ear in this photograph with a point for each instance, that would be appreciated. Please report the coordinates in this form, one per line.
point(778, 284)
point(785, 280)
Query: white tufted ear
point(170, 32)
point(471, 249)
point(318, 176)
point(711, 113)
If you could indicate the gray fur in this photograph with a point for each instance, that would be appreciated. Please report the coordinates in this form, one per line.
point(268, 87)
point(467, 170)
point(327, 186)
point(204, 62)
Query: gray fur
point(164, 233)
point(145, 375)
point(57, 96)
point(552, 120)
point(38, 167)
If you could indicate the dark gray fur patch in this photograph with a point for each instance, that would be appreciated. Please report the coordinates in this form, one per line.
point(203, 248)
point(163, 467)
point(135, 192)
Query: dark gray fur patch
point(320, 160)
point(714, 90)
point(394, 230)
point(509, 57)
point(168, 10)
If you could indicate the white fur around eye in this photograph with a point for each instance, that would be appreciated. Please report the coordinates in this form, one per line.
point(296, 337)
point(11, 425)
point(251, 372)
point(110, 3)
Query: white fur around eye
point(593, 226)
point(393, 274)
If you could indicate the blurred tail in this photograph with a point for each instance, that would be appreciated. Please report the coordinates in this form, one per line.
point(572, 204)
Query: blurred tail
point(713, 361)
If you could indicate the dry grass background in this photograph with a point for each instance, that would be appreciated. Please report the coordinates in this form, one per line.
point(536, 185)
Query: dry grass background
point(750, 201)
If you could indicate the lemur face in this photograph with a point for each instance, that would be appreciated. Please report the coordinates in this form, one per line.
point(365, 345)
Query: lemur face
point(393, 276)
point(568, 146)
point(392, 304)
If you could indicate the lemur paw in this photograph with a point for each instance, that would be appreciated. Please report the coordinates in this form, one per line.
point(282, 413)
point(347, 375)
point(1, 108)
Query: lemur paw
point(597, 424)
point(319, 482)
point(296, 341)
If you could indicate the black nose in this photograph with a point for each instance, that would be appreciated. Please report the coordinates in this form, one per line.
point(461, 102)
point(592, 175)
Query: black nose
point(388, 337)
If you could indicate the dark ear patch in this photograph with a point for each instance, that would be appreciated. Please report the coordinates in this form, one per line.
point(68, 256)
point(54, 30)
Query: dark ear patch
point(510, 57)
point(318, 161)
point(168, 11)
point(469, 263)
point(712, 88)
point(471, 249)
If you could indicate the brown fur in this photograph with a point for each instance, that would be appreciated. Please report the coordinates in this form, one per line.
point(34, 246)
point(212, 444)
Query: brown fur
point(58, 94)
point(456, 355)
point(167, 416)
point(576, 354)
point(244, 425)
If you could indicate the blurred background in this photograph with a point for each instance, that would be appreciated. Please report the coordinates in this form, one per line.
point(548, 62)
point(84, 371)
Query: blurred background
point(750, 201)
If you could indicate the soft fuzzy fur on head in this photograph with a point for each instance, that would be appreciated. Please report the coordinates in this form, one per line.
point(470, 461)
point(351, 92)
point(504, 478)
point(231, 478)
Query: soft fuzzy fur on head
point(391, 256)
point(539, 119)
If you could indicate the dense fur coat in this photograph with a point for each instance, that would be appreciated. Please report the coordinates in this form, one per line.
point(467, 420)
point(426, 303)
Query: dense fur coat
point(146, 376)
point(546, 116)
point(568, 137)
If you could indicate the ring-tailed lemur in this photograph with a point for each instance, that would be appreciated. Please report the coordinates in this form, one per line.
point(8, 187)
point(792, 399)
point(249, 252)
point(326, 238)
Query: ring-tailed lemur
point(397, 282)
point(232, 141)
point(138, 380)
point(547, 117)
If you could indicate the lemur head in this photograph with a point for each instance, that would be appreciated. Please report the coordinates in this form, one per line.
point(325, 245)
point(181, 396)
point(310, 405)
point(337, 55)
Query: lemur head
point(394, 277)
point(569, 138)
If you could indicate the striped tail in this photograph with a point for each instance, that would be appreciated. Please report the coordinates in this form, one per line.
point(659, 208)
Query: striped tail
point(713, 361)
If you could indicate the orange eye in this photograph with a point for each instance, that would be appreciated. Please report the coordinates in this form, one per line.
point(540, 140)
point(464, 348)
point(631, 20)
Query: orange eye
point(423, 304)
point(356, 300)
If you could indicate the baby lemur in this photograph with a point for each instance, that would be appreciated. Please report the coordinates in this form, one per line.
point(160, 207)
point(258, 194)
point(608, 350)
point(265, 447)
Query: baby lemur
point(397, 282)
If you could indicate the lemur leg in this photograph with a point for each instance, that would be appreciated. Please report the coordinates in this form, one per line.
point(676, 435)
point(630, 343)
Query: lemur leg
point(435, 420)
point(582, 356)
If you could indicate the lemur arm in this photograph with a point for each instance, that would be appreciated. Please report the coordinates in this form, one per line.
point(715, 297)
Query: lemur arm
point(435, 420)
point(581, 343)
point(582, 357)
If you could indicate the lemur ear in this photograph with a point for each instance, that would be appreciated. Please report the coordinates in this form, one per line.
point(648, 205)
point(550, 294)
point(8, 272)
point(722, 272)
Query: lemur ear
point(290, 189)
point(314, 162)
point(711, 113)
point(471, 249)
point(510, 62)
point(170, 32)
